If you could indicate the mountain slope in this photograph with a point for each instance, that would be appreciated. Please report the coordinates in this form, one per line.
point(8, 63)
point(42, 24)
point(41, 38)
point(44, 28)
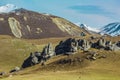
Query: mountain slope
point(112, 29)
point(23, 23)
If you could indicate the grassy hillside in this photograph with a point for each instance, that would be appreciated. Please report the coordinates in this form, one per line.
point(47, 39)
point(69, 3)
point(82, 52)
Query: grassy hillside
point(101, 69)
point(14, 51)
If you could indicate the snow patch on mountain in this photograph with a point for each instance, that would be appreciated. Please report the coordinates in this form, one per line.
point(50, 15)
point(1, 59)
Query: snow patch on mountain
point(112, 29)
point(88, 28)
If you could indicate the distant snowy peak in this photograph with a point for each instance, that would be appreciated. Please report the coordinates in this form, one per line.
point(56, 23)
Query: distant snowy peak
point(7, 8)
point(84, 26)
point(112, 29)
point(88, 28)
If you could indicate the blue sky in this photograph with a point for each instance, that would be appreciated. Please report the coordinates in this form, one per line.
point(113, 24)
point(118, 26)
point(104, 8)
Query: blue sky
point(95, 13)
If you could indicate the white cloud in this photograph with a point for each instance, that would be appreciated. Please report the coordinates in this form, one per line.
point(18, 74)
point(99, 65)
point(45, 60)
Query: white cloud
point(93, 20)
point(109, 6)
point(7, 8)
point(99, 20)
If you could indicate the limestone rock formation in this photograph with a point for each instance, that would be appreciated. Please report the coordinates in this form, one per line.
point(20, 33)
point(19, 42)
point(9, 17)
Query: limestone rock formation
point(30, 61)
point(16, 69)
point(48, 51)
point(84, 44)
point(68, 46)
point(118, 43)
point(39, 57)
point(106, 45)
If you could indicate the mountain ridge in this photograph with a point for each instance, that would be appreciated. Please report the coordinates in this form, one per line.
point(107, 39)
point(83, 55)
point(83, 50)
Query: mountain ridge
point(112, 29)
point(23, 23)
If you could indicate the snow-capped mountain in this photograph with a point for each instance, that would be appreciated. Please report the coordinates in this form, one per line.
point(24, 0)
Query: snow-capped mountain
point(7, 8)
point(88, 28)
point(112, 29)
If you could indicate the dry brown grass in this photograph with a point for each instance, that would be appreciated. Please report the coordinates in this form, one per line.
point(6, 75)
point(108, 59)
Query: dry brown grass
point(14, 51)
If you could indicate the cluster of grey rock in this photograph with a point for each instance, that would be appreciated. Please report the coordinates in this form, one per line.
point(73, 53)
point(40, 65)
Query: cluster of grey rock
point(16, 69)
point(71, 45)
point(106, 45)
point(39, 57)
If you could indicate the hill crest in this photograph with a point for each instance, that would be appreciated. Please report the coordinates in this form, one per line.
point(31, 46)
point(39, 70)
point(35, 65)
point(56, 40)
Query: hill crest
point(23, 23)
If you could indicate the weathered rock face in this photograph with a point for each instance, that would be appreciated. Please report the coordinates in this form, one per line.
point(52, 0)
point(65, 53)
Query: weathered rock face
point(37, 57)
point(100, 44)
point(84, 44)
point(114, 47)
point(48, 51)
point(118, 43)
point(16, 69)
point(68, 46)
point(22, 23)
point(30, 61)
point(106, 45)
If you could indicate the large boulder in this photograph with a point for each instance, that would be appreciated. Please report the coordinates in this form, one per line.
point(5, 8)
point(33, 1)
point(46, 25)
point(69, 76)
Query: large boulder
point(84, 44)
point(30, 61)
point(68, 46)
point(16, 69)
point(108, 45)
point(100, 44)
point(114, 47)
point(37, 57)
point(118, 43)
point(2, 73)
point(48, 51)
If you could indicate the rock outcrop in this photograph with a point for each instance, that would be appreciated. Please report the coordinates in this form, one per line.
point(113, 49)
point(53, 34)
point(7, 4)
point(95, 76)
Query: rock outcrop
point(39, 57)
point(106, 45)
point(68, 46)
point(84, 44)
